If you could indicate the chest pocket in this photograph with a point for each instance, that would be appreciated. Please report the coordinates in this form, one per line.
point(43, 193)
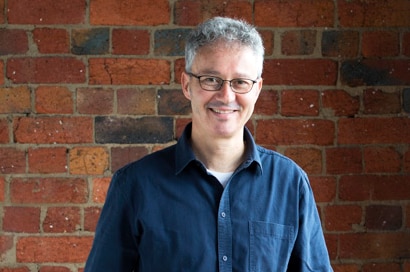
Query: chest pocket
point(270, 246)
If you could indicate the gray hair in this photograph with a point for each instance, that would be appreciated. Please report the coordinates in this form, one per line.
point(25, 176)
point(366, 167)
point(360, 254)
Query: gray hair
point(227, 30)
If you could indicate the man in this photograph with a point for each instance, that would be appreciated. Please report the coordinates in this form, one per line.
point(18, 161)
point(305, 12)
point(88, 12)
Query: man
point(215, 201)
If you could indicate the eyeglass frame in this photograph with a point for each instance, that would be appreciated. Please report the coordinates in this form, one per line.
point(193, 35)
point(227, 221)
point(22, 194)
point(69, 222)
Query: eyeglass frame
point(222, 82)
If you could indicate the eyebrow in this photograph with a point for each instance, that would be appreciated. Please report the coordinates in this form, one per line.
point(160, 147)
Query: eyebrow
point(217, 74)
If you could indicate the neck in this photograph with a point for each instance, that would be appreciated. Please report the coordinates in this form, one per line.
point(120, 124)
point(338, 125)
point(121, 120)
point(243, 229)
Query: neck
point(219, 154)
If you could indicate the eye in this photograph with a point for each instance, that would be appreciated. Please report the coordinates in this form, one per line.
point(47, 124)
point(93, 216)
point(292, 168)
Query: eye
point(241, 82)
point(210, 80)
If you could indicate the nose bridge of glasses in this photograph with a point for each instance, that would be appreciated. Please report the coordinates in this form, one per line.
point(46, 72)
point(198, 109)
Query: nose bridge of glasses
point(226, 80)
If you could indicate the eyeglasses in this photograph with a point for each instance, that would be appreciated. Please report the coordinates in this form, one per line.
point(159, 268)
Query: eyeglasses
point(213, 83)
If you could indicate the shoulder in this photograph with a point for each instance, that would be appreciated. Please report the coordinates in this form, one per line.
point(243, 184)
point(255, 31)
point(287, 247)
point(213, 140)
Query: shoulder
point(149, 165)
point(270, 156)
point(282, 167)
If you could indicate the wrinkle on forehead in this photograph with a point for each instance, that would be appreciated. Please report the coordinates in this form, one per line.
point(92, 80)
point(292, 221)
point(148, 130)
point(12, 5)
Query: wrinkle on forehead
point(208, 60)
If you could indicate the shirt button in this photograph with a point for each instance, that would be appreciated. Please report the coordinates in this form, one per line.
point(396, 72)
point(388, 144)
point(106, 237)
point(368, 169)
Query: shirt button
point(224, 258)
point(223, 214)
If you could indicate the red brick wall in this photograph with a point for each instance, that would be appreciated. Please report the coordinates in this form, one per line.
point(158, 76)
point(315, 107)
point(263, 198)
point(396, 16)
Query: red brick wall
point(89, 85)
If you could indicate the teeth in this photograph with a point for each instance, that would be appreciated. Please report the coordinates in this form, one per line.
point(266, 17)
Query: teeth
point(222, 111)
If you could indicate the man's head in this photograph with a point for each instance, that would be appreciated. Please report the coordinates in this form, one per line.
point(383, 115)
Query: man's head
point(224, 59)
point(228, 31)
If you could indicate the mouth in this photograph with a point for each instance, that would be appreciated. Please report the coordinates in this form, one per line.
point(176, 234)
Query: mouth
point(222, 111)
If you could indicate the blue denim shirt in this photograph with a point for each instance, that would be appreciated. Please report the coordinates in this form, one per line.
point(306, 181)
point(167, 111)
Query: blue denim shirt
point(165, 213)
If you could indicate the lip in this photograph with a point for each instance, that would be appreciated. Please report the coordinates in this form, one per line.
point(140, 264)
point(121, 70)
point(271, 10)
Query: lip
point(223, 111)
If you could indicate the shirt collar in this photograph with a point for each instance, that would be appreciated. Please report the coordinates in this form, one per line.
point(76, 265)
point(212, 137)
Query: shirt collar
point(184, 153)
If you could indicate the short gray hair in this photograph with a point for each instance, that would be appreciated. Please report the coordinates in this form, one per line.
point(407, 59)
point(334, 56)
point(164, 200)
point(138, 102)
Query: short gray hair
point(224, 29)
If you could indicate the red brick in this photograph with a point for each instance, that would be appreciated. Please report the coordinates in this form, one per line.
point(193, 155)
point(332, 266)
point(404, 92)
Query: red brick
point(374, 13)
point(12, 160)
point(384, 217)
point(310, 159)
point(4, 131)
point(53, 130)
point(406, 160)
point(267, 103)
point(90, 41)
point(130, 42)
point(16, 41)
point(47, 160)
point(268, 41)
point(294, 132)
point(54, 269)
point(2, 11)
point(6, 246)
point(406, 44)
point(2, 75)
point(180, 125)
point(382, 267)
point(383, 246)
point(91, 216)
point(100, 188)
point(88, 160)
point(21, 219)
point(129, 71)
point(136, 101)
point(54, 99)
point(63, 249)
point(380, 44)
point(343, 217)
point(15, 100)
point(95, 100)
point(62, 220)
point(368, 130)
point(172, 102)
point(50, 40)
point(194, 12)
point(301, 42)
point(381, 160)
point(378, 102)
point(15, 269)
point(340, 43)
point(332, 244)
point(46, 12)
point(375, 71)
point(120, 156)
point(2, 191)
point(344, 160)
point(341, 267)
point(40, 70)
point(300, 103)
point(129, 12)
point(340, 103)
point(406, 266)
point(407, 226)
point(374, 187)
point(48, 190)
point(298, 13)
point(179, 67)
point(300, 72)
point(324, 188)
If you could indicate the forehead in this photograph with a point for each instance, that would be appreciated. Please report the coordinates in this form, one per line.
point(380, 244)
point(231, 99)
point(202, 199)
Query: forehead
point(221, 58)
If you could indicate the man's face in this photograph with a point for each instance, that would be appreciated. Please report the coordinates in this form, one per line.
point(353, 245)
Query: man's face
point(222, 113)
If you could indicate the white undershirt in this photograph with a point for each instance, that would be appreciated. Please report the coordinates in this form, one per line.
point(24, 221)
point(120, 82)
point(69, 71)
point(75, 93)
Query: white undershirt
point(221, 176)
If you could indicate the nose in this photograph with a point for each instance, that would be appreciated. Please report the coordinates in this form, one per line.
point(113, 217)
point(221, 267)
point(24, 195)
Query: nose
point(226, 93)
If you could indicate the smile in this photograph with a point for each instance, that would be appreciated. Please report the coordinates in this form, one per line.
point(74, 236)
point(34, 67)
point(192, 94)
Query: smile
point(223, 111)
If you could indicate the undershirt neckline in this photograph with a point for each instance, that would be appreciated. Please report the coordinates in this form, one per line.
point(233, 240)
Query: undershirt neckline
point(222, 177)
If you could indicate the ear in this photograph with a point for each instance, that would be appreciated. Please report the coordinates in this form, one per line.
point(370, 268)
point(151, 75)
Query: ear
point(259, 87)
point(185, 85)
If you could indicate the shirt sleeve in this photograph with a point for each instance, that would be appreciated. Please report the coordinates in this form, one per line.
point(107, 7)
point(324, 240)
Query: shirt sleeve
point(114, 247)
point(310, 251)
